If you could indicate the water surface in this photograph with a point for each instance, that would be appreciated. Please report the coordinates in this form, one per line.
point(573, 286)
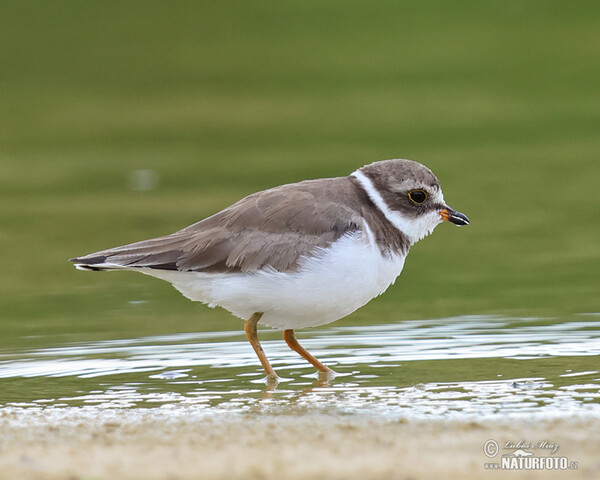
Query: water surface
point(455, 367)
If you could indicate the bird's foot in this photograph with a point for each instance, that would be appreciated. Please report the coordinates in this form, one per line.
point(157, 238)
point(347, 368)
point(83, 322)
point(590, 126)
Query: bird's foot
point(272, 380)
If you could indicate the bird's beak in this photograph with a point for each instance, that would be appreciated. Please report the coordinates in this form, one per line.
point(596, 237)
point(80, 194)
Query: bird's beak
point(450, 215)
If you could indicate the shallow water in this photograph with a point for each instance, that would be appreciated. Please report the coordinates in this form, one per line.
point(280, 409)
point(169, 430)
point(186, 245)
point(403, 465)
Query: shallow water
point(455, 367)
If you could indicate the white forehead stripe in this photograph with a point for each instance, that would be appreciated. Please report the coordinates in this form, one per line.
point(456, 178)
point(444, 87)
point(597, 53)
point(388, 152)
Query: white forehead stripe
point(413, 229)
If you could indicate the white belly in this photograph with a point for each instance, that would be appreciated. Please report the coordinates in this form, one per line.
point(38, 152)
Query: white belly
point(325, 288)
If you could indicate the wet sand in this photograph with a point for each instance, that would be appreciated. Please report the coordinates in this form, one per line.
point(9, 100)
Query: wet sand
point(80, 443)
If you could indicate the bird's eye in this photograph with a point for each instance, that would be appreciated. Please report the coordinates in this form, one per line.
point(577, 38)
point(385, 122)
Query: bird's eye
point(418, 197)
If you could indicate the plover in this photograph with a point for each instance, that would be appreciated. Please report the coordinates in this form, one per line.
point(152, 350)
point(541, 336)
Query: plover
point(297, 255)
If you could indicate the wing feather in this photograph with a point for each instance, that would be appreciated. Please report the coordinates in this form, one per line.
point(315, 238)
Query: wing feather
point(273, 228)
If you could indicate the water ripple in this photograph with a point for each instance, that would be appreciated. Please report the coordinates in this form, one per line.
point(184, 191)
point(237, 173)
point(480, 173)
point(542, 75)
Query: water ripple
point(393, 369)
point(454, 338)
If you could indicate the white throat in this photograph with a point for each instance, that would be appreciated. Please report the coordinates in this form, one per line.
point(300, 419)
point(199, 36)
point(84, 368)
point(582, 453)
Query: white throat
point(413, 229)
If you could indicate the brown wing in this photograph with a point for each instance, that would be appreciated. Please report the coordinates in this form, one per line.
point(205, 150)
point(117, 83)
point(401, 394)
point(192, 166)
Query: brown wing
point(273, 228)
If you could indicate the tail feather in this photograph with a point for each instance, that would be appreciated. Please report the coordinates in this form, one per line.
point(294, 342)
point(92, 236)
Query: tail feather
point(121, 259)
point(95, 264)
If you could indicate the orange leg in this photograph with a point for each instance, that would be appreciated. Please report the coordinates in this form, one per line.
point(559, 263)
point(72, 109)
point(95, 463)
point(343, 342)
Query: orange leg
point(290, 339)
point(251, 335)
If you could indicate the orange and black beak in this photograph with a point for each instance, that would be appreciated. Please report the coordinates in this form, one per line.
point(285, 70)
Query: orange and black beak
point(450, 215)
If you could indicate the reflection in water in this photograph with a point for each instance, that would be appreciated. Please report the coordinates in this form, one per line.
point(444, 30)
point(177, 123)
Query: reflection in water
point(461, 366)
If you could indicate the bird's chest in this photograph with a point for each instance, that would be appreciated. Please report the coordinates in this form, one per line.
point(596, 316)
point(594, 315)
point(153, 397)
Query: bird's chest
point(330, 284)
point(350, 273)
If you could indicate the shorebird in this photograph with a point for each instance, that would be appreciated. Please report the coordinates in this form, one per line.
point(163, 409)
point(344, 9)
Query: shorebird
point(297, 255)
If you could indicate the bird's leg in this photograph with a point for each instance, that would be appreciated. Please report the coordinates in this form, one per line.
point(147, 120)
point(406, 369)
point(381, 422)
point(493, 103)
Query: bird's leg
point(290, 339)
point(251, 335)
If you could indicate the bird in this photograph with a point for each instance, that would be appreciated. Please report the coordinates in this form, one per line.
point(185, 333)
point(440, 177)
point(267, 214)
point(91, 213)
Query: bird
point(297, 255)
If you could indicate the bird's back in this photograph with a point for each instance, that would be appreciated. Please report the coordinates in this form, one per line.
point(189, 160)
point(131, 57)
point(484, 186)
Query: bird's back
point(273, 228)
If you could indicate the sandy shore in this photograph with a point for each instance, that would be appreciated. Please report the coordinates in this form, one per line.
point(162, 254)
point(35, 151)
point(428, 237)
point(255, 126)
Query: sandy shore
point(156, 444)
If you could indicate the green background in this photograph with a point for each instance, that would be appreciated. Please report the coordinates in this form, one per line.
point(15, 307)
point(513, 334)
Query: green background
point(500, 99)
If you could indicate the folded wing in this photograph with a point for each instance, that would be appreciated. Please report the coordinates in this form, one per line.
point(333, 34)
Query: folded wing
point(269, 229)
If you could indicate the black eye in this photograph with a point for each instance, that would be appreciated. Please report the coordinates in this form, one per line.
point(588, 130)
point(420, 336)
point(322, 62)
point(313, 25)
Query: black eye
point(418, 197)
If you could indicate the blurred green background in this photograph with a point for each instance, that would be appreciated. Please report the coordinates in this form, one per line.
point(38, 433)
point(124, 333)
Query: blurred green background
point(500, 99)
